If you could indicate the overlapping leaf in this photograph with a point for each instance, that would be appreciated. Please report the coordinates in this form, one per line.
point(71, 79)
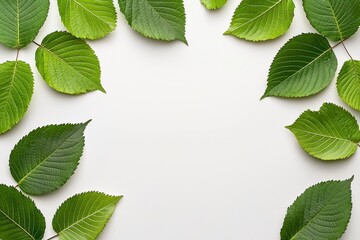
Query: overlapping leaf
point(348, 83)
point(323, 211)
point(88, 18)
point(329, 134)
point(84, 216)
point(68, 64)
point(334, 19)
point(19, 217)
point(304, 66)
point(260, 20)
point(16, 89)
point(213, 4)
point(21, 20)
point(46, 158)
point(158, 19)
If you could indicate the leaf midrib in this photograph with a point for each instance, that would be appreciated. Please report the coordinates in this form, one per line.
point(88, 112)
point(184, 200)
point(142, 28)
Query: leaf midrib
point(307, 65)
point(12, 220)
point(18, 23)
point(253, 19)
point(336, 20)
point(88, 10)
point(86, 217)
point(46, 158)
point(326, 136)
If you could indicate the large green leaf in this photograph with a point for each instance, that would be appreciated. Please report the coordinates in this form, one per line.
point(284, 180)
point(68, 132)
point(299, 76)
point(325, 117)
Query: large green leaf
point(304, 66)
point(158, 19)
point(68, 64)
point(322, 212)
point(335, 19)
point(84, 216)
point(91, 19)
point(260, 20)
point(16, 89)
point(46, 158)
point(21, 20)
point(348, 83)
point(19, 217)
point(213, 4)
point(329, 134)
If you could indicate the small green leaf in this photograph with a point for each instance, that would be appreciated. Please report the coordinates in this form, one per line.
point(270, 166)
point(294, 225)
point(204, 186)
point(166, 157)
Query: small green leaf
point(16, 89)
point(334, 19)
point(68, 64)
point(213, 4)
point(90, 19)
point(45, 159)
point(323, 211)
point(259, 20)
point(348, 84)
point(304, 66)
point(84, 216)
point(163, 20)
point(19, 217)
point(329, 134)
point(21, 20)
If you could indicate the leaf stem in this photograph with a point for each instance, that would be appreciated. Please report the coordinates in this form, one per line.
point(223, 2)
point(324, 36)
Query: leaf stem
point(17, 54)
point(342, 42)
point(55, 236)
point(37, 44)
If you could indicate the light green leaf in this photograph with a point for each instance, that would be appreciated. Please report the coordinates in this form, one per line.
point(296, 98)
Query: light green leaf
point(213, 4)
point(157, 19)
point(45, 159)
point(19, 217)
point(334, 19)
point(21, 20)
point(322, 212)
point(90, 19)
point(304, 66)
point(348, 84)
point(68, 64)
point(84, 216)
point(260, 20)
point(16, 89)
point(329, 134)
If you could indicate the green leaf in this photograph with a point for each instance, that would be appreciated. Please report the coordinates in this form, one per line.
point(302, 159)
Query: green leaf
point(45, 159)
point(323, 212)
point(90, 19)
point(334, 19)
point(19, 217)
point(348, 84)
point(157, 19)
point(259, 20)
point(21, 20)
point(304, 66)
point(329, 134)
point(68, 64)
point(213, 4)
point(84, 216)
point(16, 89)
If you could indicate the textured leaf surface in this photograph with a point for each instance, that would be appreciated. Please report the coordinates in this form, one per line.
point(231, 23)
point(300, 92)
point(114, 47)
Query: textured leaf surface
point(68, 64)
point(19, 217)
point(322, 212)
point(16, 89)
point(46, 158)
point(213, 4)
point(334, 19)
point(21, 20)
point(90, 19)
point(260, 20)
point(329, 134)
point(84, 216)
point(348, 84)
point(304, 66)
point(158, 19)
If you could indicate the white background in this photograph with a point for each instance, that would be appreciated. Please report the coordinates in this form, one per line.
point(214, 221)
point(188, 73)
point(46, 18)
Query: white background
point(182, 134)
